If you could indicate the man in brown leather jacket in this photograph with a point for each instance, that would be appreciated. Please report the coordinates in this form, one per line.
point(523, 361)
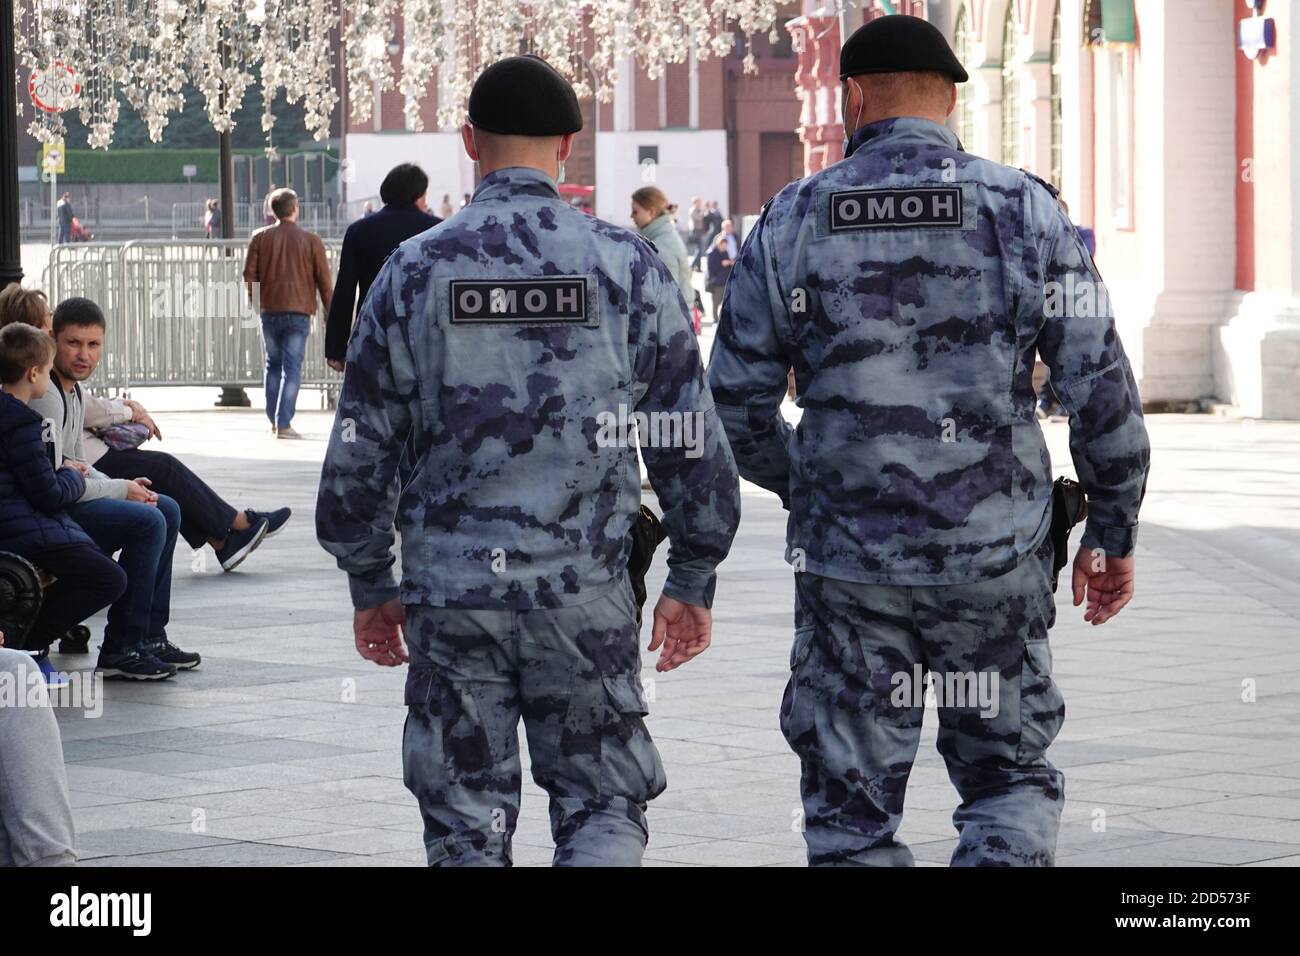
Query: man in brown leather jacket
point(284, 270)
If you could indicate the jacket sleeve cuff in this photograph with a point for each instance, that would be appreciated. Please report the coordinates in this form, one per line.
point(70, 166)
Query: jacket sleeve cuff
point(691, 587)
point(372, 590)
point(1118, 542)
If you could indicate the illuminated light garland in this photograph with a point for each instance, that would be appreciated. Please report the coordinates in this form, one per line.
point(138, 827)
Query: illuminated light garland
point(149, 49)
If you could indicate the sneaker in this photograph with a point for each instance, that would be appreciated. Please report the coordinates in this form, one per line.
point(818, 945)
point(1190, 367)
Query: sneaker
point(133, 665)
point(240, 544)
point(53, 676)
point(286, 432)
point(169, 653)
point(76, 641)
point(275, 519)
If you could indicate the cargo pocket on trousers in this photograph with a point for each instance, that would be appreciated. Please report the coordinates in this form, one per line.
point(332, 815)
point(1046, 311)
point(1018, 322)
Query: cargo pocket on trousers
point(629, 761)
point(796, 718)
point(446, 719)
point(1042, 707)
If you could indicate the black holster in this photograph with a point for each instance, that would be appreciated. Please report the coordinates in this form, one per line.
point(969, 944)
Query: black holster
point(1069, 507)
point(647, 533)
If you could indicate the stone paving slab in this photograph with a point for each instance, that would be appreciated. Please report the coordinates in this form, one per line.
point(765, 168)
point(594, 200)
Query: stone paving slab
point(283, 749)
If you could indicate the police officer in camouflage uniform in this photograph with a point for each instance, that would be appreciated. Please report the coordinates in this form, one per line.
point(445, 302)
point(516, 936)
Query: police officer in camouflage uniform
point(503, 349)
point(909, 287)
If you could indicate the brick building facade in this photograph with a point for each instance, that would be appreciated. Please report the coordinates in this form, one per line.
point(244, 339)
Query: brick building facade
point(702, 128)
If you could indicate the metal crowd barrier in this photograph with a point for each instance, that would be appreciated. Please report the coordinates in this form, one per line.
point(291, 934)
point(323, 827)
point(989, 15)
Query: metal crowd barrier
point(177, 312)
point(187, 217)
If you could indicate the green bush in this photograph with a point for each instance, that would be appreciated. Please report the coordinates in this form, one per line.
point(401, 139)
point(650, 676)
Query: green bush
point(140, 165)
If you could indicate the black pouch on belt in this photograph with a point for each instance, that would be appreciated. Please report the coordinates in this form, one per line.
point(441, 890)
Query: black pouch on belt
point(647, 534)
point(1069, 507)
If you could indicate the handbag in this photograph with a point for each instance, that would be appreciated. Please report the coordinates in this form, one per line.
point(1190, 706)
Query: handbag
point(124, 436)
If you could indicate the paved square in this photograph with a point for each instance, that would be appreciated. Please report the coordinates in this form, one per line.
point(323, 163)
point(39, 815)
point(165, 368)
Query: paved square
point(284, 747)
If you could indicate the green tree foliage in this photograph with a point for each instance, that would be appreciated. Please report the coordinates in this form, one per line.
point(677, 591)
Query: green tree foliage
point(190, 128)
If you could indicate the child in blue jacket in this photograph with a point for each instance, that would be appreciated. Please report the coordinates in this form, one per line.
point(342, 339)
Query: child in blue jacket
point(33, 495)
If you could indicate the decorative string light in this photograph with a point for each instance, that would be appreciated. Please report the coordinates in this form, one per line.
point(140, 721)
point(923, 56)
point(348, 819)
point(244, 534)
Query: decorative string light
point(147, 50)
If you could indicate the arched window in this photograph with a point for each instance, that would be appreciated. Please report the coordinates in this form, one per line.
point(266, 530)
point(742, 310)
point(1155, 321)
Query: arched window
point(965, 103)
point(1058, 126)
point(1011, 131)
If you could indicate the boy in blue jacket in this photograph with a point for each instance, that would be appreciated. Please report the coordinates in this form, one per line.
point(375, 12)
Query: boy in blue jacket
point(33, 495)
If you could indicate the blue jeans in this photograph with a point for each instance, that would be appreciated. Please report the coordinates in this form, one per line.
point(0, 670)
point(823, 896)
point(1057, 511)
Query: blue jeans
point(146, 536)
point(285, 336)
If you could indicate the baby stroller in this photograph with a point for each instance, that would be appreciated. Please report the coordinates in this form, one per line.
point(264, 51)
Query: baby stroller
point(20, 598)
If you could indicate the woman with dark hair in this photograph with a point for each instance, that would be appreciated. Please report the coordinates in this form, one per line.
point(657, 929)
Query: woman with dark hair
point(656, 220)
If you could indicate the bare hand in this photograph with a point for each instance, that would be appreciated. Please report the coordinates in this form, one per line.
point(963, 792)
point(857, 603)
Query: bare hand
point(138, 490)
point(139, 414)
point(1106, 581)
point(80, 466)
point(379, 632)
point(684, 630)
point(337, 364)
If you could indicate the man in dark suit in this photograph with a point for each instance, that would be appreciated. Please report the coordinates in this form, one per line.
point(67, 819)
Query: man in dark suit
point(366, 246)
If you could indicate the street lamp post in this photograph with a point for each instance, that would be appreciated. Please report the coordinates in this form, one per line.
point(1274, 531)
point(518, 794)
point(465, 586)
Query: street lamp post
point(232, 396)
point(11, 263)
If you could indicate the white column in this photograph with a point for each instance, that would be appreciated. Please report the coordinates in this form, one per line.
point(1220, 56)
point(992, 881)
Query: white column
point(1257, 351)
point(1076, 115)
point(624, 95)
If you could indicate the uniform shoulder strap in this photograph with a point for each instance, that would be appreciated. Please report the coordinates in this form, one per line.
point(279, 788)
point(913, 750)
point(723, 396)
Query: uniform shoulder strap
point(1052, 190)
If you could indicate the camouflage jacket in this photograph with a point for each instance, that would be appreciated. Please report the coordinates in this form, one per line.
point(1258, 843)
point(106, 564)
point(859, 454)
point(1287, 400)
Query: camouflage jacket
point(909, 287)
point(505, 354)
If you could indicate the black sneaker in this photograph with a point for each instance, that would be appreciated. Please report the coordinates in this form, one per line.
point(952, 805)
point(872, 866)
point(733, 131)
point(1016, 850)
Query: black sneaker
point(76, 641)
point(275, 519)
point(240, 544)
point(169, 653)
point(133, 665)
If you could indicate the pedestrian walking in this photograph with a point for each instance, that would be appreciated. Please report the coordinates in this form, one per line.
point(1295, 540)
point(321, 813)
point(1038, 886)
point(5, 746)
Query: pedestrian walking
point(284, 271)
point(719, 264)
point(368, 243)
point(909, 287)
point(65, 214)
point(655, 219)
point(498, 348)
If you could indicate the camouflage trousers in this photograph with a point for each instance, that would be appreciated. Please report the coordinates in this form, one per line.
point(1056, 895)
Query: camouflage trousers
point(573, 675)
point(853, 707)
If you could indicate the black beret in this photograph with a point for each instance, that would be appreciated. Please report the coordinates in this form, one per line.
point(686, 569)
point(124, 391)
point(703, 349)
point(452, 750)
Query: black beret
point(899, 44)
point(524, 96)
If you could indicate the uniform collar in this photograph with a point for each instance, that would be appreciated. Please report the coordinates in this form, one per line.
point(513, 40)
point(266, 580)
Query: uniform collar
point(903, 127)
point(515, 181)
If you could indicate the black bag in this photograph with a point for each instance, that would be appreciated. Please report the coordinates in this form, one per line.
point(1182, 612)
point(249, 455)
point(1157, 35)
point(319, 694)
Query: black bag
point(20, 598)
point(1069, 507)
point(647, 534)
